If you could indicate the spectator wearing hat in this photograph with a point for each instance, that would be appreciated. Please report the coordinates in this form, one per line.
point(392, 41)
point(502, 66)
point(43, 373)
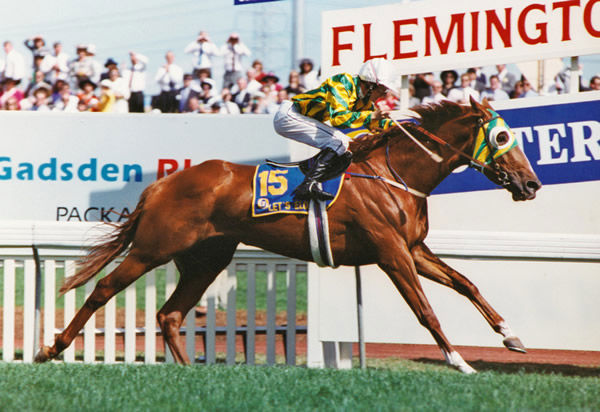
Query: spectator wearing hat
point(135, 75)
point(449, 78)
point(109, 65)
point(190, 89)
point(203, 51)
point(88, 101)
point(232, 53)
point(40, 98)
point(206, 96)
point(107, 97)
point(84, 66)
point(309, 78)
point(10, 91)
point(170, 79)
point(14, 63)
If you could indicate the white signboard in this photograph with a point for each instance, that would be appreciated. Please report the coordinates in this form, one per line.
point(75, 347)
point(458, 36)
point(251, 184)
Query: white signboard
point(436, 35)
point(90, 166)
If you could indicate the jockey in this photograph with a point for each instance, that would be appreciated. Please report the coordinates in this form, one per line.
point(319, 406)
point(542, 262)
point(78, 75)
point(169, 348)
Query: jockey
point(347, 102)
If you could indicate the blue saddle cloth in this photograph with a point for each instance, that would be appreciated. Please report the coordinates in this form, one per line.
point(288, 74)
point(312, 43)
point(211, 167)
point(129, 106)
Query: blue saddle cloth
point(273, 186)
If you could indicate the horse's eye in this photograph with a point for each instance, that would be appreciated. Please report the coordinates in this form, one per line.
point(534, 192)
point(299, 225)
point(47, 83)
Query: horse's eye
point(502, 139)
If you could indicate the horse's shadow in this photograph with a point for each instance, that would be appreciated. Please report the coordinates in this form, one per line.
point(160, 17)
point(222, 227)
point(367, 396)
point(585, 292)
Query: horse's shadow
point(525, 367)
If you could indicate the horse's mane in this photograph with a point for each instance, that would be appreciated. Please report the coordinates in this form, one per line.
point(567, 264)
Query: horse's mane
point(431, 117)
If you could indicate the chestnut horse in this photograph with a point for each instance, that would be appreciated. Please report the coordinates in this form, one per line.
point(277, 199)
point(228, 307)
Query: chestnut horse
point(198, 216)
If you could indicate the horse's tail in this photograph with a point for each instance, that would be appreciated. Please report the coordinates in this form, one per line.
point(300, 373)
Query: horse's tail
point(103, 253)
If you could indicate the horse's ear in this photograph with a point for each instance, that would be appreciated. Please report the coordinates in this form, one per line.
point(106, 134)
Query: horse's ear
point(477, 107)
point(486, 103)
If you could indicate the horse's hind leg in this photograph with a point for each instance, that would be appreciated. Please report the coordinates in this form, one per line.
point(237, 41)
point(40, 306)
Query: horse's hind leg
point(432, 267)
point(198, 268)
point(126, 273)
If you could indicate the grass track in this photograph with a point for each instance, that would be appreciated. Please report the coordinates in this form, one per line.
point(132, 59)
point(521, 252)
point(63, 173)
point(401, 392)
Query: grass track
point(397, 386)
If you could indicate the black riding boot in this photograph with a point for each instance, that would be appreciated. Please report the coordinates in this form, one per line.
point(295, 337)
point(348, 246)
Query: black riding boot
point(318, 172)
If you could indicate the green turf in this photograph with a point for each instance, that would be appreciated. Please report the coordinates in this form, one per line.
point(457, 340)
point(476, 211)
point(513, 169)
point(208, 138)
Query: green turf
point(402, 386)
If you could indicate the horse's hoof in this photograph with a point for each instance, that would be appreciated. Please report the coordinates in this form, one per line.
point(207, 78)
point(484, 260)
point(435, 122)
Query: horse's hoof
point(513, 343)
point(43, 355)
point(466, 369)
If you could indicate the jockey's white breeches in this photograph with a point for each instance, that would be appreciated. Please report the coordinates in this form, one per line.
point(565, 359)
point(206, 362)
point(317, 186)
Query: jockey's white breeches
point(289, 123)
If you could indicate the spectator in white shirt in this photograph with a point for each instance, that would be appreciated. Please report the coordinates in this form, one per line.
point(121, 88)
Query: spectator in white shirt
point(227, 104)
point(507, 79)
point(203, 51)
point(135, 76)
point(120, 89)
point(463, 93)
point(66, 101)
point(495, 91)
point(60, 64)
point(232, 53)
point(170, 79)
point(436, 93)
point(14, 65)
point(309, 78)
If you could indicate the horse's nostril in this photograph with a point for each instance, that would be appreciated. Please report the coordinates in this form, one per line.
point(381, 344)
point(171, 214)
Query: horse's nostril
point(533, 185)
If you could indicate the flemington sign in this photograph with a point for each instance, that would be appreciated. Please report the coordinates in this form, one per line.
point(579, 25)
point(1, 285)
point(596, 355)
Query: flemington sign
point(437, 35)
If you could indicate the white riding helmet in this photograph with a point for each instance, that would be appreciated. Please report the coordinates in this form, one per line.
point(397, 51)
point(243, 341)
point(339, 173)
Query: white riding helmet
point(377, 71)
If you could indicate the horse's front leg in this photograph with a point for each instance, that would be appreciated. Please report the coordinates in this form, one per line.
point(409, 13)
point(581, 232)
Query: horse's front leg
point(432, 267)
point(399, 266)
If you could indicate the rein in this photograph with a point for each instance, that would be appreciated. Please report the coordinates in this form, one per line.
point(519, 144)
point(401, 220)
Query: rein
point(500, 175)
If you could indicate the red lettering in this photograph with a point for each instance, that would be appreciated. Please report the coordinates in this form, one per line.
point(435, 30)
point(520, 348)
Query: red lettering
point(187, 163)
point(337, 46)
point(587, 18)
point(368, 55)
point(166, 167)
point(541, 27)
point(457, 21)
point(399, 38)
point(474, 30)
point(503, 31)
point(565, 6)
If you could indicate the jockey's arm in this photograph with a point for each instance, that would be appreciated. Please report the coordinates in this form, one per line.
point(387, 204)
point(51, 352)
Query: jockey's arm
point(342, 117)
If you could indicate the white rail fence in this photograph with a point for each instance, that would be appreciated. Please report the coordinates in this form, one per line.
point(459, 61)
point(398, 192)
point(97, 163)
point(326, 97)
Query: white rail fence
point(42, 265)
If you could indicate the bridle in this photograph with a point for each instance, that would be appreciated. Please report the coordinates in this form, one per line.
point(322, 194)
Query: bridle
point(495, 172)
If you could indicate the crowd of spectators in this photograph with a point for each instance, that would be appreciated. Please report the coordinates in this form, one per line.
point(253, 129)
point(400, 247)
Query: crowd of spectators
point(54, 81)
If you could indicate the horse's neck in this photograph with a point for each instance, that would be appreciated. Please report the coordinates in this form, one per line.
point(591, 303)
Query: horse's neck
point(418, 170)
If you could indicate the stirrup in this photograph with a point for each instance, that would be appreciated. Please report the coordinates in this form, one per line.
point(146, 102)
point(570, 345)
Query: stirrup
point(313, 191)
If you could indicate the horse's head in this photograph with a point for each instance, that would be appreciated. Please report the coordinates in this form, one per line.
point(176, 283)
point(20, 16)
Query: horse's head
point(496, 146)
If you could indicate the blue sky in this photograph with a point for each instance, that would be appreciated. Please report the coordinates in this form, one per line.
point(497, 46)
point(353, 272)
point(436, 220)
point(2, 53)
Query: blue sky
point(152, 27)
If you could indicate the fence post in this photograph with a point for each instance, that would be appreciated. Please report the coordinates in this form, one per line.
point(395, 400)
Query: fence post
point(38, 299)
point(359, 308)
